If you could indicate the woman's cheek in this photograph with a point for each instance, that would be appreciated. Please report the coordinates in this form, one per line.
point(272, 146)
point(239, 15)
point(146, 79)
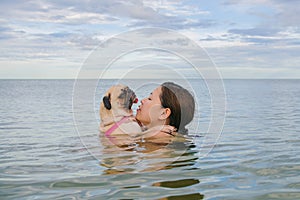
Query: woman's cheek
point(154, 113)
point(143, 116)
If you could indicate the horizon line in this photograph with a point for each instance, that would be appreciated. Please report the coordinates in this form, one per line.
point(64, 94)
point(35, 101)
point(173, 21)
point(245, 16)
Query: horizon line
point(149, 79)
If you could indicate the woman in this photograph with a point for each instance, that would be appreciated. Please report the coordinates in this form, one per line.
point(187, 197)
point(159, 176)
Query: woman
point(169, 104)
point(169, 107)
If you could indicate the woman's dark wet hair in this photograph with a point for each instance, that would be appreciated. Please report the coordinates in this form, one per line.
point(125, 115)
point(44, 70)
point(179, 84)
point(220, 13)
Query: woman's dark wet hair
point(181, 103)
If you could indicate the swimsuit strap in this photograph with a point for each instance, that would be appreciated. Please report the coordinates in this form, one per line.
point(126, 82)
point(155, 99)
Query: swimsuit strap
point(116, 125)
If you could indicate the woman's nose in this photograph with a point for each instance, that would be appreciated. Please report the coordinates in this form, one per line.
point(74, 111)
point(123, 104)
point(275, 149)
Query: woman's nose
point(142, 101)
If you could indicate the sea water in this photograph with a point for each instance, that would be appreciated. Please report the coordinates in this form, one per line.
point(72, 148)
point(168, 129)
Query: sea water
point(43, 155)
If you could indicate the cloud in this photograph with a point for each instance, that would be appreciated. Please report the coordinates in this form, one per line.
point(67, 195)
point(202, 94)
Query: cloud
point(239, 2)
point(167, 14)
point(272, 41)
point(266, 31)
point(5, 33)
point(79, 24)
point(174, 23)
point(266, 36)
point(286, 12)
point(276, 13)
point(257, 56)
point(8, 33)
point(54, 12)
point(277, 22)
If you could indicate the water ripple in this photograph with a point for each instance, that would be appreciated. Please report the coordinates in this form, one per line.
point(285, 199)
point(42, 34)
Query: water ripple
point(257, 156)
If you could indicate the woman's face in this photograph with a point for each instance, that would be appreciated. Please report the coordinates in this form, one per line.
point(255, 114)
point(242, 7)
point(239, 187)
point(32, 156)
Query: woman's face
point(150, 109)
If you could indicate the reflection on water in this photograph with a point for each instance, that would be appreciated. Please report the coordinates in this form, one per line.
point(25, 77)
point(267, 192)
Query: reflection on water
point(177, 183)
point(195, 196)
point(146, 156)
point(180, 184)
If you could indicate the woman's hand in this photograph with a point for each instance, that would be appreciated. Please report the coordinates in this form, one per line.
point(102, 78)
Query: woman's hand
point(159, 132)
point(170, 130)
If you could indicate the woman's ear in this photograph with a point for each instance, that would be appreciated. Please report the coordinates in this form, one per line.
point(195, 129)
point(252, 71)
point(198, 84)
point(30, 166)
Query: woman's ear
point(165, 114)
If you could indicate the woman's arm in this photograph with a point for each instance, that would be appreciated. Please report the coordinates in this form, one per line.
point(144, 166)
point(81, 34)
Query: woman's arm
point(160, 134)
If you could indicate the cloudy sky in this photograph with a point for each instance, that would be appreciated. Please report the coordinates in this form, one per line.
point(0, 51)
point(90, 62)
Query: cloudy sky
point(245, 39)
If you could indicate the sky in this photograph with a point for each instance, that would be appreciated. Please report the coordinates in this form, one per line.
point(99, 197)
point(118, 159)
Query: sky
point(244, 39)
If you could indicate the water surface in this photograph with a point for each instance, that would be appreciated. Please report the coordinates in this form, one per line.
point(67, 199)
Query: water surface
point(257, 156)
